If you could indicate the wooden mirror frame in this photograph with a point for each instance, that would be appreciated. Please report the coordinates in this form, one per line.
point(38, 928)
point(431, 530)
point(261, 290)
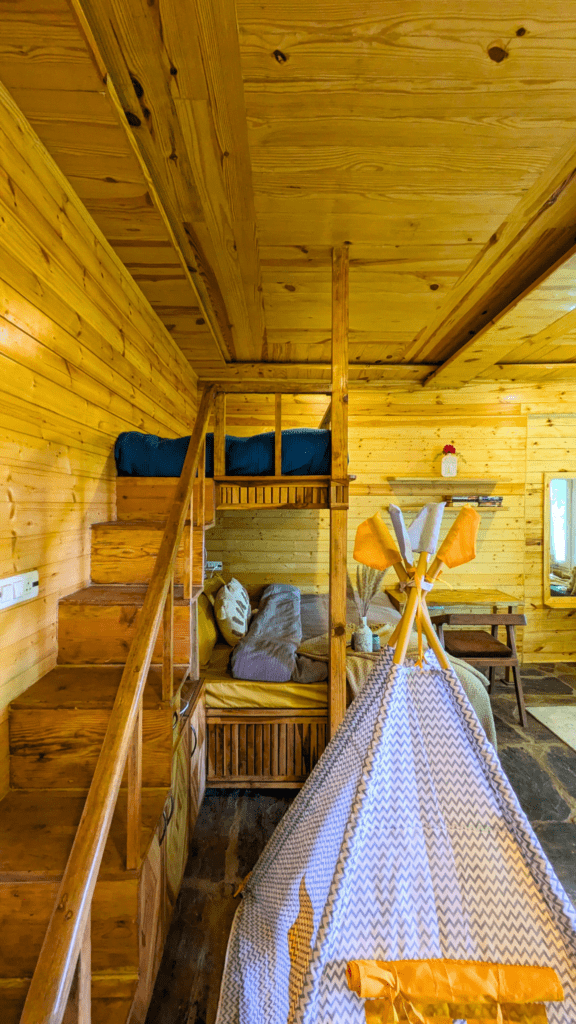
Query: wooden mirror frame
point(550, 601)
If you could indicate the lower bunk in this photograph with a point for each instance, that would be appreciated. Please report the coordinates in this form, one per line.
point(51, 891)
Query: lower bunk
point(261, 734)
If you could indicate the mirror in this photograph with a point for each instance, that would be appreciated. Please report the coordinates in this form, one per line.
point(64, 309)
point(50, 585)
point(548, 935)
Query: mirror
point(559, 540)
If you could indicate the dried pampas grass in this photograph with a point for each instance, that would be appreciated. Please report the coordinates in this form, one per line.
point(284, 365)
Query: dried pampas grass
point(368, 583)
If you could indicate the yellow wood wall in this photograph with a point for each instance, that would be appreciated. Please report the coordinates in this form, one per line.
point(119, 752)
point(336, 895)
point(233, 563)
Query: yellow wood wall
point(508, 436)
point(82, 357)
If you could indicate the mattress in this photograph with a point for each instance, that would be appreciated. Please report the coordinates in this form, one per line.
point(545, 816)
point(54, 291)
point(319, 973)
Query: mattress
point(225, 693)
point(305, 452)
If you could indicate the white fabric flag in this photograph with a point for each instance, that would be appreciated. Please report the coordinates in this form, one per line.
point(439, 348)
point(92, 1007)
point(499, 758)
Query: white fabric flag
point(402, 535)
point(425, 529)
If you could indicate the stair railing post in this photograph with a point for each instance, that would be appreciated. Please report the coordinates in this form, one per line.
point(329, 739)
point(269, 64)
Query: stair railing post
point(193, 610)
point(134, 811)
point(220, 434)
point(79, 1007)
point(168, 642)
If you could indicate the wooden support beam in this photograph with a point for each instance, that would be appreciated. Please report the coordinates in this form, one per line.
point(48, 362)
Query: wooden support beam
point(339, 471)
point(220, 434)
point(540, 232)
point(256, 377)
point(278, 436)
point(154, 72)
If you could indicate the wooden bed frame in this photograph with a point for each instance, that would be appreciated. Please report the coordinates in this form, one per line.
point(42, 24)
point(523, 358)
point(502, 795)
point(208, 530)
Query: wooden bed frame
point(257, 747)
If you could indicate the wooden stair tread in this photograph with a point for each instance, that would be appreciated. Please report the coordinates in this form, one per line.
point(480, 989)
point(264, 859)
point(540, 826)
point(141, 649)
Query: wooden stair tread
point(38, 828)
point(132, 524)
point(119, 593)
point(112, 997)
point(91, 686)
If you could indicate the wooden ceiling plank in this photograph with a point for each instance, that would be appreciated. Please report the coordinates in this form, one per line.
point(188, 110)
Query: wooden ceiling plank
point(539, 235)
point(184, 179)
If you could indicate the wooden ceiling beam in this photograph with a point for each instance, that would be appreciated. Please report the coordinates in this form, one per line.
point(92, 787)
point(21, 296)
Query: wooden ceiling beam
point(537, 237)
point(239, 376)
point(153, 57)
point(315, 377)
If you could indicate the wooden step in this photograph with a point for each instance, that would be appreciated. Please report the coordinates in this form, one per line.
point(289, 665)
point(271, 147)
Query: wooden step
point(38, 829)
point(57, 726)
point(97, 625)
point(112, 997)
point(25, 910)
point(125, 552)
point(151, 497)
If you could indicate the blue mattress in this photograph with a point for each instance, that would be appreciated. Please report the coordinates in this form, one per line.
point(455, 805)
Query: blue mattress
point(304, 453)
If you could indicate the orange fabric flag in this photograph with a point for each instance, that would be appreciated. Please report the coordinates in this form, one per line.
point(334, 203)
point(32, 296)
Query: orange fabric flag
point(374, 545)
point(459, 544)
point(453, 981)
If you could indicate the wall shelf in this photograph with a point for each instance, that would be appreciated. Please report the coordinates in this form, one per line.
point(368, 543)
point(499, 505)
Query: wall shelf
point(441, 480)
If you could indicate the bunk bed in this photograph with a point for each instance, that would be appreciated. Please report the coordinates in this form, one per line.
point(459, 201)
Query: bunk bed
point(262, 733)
point(274, 740)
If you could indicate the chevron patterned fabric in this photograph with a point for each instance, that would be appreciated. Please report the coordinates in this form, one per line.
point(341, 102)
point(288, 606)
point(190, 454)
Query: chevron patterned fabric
point(412, 845)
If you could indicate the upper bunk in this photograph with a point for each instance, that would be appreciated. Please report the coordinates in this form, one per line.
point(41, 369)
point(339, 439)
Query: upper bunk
point(321, 484)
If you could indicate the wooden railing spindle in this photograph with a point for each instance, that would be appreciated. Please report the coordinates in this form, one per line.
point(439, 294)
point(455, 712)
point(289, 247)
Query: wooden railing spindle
point(79, 1008)
point(168, 637)
point(134, 810)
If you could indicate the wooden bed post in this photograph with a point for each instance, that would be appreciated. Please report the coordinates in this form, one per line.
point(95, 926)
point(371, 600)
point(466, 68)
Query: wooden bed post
point(220, 434)
point(339, 475)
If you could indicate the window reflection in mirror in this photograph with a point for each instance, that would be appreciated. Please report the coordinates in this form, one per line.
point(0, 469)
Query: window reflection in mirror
point(561, 546)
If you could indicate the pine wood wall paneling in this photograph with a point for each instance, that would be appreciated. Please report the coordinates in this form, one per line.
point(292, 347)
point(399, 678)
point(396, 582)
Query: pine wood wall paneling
point(551, 632)
point(82, 357)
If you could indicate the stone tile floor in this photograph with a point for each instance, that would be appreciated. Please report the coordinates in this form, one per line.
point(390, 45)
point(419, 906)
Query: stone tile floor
point(234, 826)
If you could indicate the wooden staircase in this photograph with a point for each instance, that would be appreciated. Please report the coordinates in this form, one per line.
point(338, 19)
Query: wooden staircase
point(56, 732)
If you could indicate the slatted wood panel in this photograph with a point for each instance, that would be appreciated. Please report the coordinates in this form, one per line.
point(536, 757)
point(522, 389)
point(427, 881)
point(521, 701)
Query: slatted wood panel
point(83, 357)
point(508, 434)
point(266, 493)
point(250, 749)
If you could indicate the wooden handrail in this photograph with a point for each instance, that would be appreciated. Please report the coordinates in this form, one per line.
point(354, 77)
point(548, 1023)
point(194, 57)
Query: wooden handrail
point(52, 979)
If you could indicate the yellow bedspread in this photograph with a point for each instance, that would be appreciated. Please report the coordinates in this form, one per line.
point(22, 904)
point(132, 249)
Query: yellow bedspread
point(226, 693)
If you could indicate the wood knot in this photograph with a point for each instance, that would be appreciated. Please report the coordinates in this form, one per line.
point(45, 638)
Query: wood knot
point(280, 57)
point(132, 119)
point(200, 321)
point(520, 31)
point(339, 630)
point(290, 287)
point(137, 87)
point(173, 70)
point(434, 287)
point(497, 53)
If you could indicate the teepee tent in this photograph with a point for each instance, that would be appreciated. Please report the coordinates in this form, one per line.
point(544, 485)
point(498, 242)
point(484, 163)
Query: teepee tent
point(406, 843)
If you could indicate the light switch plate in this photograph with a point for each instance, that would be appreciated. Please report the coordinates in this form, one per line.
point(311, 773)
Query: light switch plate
point(16, 589)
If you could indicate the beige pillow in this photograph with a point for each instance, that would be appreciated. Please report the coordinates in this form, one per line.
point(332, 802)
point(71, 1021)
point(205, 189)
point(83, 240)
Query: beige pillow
point(232, 610)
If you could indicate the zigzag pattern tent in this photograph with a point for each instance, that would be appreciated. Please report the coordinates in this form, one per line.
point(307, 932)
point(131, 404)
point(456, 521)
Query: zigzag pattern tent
point(407, 842)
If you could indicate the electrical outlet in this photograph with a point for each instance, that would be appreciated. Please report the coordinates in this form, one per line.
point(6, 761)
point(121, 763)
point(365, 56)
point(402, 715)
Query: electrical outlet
point(16, 589)
point(214, 566)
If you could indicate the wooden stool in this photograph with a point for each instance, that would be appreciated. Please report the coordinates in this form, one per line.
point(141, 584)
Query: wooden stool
point(485, 650)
